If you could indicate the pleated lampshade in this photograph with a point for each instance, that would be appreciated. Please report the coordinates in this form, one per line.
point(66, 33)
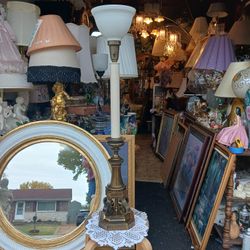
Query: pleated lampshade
point(127, 56)
point(217, 54)
point(225, 87)
point(53, 53)
point(239, 33)
point(81, 34)
point(22, 17)
point(158, 48)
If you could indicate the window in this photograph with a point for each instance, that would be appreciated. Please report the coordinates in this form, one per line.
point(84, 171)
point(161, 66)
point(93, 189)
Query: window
point(46, 206)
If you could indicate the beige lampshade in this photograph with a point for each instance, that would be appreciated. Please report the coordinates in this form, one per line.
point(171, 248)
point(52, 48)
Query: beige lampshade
point(240, 31)
point(196, 53)
point(81, 34)
point(158, 48)
point(225, 87)
point(52, 33)
point(217, 10)
point(22, 17)
point(127, 56)
point(199, 28)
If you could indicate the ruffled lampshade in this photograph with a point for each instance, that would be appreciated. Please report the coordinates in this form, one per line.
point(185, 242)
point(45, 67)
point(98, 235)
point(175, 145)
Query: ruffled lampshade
point(53, 53)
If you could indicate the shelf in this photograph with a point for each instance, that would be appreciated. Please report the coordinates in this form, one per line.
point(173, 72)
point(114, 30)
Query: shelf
point(219, 230)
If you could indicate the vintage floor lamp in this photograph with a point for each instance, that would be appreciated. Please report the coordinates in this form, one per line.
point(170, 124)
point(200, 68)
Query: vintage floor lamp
point(114, 21)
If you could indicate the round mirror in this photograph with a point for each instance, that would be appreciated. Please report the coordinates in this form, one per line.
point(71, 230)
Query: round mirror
point(51, 179)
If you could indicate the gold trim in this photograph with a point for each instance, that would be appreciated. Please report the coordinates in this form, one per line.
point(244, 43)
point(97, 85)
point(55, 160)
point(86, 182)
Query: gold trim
point(63, 240)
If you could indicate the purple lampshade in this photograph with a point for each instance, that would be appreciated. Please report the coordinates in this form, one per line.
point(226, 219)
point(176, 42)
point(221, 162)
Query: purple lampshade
point(217, 54)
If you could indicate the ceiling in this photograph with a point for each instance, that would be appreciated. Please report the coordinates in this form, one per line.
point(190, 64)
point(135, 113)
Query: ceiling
point(185, 9)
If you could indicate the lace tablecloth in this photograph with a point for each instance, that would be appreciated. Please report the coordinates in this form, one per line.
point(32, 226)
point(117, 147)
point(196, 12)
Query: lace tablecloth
point(118, 238)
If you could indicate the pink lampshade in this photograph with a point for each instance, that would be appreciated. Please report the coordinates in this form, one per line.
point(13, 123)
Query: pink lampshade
point(52, 33)
point(53, 53)
point(217, 54)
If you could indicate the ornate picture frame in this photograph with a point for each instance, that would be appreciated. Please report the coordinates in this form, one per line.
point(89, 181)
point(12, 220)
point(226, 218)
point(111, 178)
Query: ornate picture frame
point(210, 192)
point(188, 169)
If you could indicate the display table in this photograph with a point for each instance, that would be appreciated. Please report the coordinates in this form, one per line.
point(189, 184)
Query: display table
point(117, 239)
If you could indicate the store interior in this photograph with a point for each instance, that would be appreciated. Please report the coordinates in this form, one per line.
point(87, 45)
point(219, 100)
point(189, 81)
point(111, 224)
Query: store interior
point(124, 124)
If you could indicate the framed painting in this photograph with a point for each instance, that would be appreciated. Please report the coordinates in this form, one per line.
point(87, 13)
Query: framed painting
point(127, 152)
point(167, 126)
point(188, 170)
point(158, 93)
point(209, 195)
point(172, 153)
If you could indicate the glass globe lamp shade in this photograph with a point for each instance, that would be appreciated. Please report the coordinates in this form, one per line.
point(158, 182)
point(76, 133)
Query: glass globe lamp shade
point(113, 20)
point(100, 63)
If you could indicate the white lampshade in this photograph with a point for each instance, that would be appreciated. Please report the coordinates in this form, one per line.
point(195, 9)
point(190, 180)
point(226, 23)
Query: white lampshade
point(239, 33)
point(81, 34)
point(127, 57)
point(14, 81)
point(113, 20)
point(199, 28)
point(225, 87)
point(217, 9)
point(22, 17)
point(100, 62)
point(60, 57)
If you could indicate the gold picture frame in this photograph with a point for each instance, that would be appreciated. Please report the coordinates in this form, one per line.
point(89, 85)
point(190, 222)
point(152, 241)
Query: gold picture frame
point(209, 195)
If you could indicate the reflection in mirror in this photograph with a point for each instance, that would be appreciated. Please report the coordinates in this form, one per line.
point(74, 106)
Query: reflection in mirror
point(46, 189)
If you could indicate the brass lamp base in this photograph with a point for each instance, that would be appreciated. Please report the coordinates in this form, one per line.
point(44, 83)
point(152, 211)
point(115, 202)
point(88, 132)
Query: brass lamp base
point(116, 213)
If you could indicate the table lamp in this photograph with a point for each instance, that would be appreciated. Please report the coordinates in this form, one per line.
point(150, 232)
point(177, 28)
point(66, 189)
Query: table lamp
point(53, 57)
point(225, 88)
point(114, 21)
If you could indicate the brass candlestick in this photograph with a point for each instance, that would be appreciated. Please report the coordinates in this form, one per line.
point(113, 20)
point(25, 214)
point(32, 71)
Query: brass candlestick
point(116, 213)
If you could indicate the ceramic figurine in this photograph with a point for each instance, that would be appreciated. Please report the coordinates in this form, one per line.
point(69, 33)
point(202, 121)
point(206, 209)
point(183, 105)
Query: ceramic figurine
point(234, 227)
point(20, 110)
point(237, 132)
point(58, 102)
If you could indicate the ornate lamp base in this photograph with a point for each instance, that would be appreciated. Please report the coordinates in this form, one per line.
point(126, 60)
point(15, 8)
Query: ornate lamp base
point(116, 213)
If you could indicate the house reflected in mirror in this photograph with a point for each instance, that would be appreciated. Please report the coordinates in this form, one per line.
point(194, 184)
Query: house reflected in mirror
point(44, 189)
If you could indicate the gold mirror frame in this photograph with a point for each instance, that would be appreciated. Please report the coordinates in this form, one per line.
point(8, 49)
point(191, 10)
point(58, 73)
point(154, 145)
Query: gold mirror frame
point(71, 135)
